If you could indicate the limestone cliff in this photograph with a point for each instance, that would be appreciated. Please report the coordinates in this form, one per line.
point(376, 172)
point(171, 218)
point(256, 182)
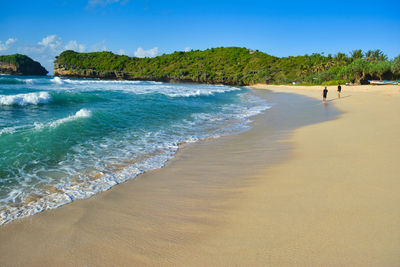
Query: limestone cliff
point(18, 64)
point(62, 71)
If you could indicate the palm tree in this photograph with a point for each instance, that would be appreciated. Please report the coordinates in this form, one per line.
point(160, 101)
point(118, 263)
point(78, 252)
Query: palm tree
point(340, 59)
point(356, 54)
point(375, 55)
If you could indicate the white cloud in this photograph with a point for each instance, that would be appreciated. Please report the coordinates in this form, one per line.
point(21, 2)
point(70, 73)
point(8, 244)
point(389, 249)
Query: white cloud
point(51, 46)
point(122, 52)
point(187, 49)
point(51, 41)
point(73, 45)
point(140, 52)
point(101, 46)
point(7, 44)
point(48, 48)
point(10, 41)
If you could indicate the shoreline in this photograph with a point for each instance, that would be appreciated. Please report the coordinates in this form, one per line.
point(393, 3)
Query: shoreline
point(255, 198)
point(60, 195)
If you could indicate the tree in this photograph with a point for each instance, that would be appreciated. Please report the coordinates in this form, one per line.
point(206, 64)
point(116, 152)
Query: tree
point(230, 65)
point(396, 66)
point(340, 58)
point(356, 54)
point(375, 55)
point(356, 71)
point(379, 69)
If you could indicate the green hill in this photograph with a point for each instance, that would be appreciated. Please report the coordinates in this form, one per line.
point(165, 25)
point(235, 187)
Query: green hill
point(230, 65)
point(18, 64)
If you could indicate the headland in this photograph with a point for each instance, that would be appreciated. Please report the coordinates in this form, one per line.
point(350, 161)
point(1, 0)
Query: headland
point(18, 64)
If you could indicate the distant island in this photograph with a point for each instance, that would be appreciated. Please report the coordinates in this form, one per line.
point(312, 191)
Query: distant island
point(18, 64)
point(231, 66)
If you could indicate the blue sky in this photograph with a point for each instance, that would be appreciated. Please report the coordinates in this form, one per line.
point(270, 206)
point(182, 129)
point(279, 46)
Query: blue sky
point(43, 29)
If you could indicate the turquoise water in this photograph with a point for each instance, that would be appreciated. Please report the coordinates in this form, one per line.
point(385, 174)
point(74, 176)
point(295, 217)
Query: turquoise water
point(65, 139)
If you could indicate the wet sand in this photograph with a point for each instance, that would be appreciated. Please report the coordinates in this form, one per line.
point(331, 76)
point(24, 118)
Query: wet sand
point(307, 186)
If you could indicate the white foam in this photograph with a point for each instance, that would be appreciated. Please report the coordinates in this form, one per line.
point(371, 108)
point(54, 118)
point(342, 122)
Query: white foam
point(68, 192)
point(142, 87)
point(25, 99)
point(83, 81)
point(7, 130)
point(82, 113)
point(33, 81)
point(57, 80)
point(11, 130)
point(28, 81)
point(200, 91)
point(192, 93)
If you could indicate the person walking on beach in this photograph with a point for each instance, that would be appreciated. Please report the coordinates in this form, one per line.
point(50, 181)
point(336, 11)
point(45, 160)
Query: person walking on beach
point(324, 94)
point(339, 90)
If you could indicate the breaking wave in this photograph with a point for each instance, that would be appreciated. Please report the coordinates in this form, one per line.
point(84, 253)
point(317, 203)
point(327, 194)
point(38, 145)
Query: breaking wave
point(82, 113)
point(25, 99)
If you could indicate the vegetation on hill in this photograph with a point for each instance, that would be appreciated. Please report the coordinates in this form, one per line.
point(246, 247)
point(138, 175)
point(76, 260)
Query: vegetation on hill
point(20, 65)
point(232, 65)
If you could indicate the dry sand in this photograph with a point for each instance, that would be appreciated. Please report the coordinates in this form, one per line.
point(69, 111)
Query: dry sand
point(325, 194)
point(388, 90)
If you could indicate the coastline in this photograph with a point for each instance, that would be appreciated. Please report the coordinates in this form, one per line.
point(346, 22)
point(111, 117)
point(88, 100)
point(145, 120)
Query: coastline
point(255, 198)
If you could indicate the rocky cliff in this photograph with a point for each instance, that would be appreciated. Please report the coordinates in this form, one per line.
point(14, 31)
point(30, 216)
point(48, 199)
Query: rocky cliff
point(76, 72)
point(18, 64)
point(63, 71)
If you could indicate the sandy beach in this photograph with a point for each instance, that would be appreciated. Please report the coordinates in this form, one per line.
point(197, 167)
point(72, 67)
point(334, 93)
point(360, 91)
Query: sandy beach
point(308, 185)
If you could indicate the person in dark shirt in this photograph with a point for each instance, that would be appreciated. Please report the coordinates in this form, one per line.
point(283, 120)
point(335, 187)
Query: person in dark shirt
point(339, 90)
point(324, 94)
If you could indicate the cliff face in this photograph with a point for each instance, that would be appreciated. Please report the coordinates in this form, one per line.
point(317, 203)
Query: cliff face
point(7, 68)
point(63, 71)
point(20, 65)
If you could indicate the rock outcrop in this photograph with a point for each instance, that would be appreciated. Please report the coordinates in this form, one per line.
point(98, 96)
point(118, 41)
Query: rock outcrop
point(18, 64)
point(62, 71)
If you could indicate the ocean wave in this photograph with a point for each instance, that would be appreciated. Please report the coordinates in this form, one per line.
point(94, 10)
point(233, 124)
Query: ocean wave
point(127, 86)
point(10, 81)
point(59, 80)
point(82, 113)
point(200, 92)
point(28, 81)
point(97, 163)
point(65, 193)
point(192, 93)
point(67, 97)
point(25, 99)
point(142, 87)
point(10, 130)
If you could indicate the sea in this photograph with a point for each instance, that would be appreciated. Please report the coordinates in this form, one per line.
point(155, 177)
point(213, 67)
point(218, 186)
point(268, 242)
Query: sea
point(66, 139)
